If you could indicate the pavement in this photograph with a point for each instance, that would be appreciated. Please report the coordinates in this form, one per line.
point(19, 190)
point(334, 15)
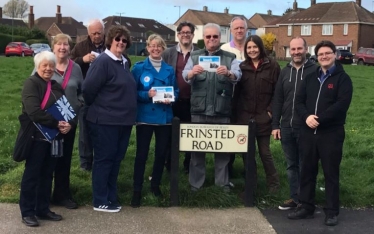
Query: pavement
point(140, 220)
point(175, 220)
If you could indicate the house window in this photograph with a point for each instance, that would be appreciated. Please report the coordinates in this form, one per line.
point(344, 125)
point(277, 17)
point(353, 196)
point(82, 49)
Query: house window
point(141, 25)
point(289, 30)
point(306, 30)
point(128, 24)
point(155, 26)
point(345, 29)
point(327, 29)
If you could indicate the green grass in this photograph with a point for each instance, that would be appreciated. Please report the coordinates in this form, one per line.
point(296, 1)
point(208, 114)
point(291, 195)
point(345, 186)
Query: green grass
point(357, 179)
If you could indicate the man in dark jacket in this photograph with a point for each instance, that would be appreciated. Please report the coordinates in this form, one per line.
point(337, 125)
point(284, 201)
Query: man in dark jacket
point(287, 130)
point(322, 102)
point(84, 53)
point(177, 56)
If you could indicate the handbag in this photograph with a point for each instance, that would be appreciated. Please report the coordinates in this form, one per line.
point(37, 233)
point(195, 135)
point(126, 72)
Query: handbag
point(25, 136)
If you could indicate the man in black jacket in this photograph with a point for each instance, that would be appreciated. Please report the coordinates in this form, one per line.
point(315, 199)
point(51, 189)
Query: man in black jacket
point(322, 102)
point(286, 122)
point(177, 56)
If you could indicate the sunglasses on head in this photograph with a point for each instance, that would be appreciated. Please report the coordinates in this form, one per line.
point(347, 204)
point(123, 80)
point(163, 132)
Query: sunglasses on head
point(117, 39)
point(210, 36)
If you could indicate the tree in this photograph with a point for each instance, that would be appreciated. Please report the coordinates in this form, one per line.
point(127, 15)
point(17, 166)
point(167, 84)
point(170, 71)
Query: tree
point(268, 40)
point(288, 10)
point(15, 8)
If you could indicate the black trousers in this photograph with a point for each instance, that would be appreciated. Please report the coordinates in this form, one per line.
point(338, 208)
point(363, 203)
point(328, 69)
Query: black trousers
point(144, 135)
point(61, 189)
point(182, 110)
point(36, 182)
point(327, 146)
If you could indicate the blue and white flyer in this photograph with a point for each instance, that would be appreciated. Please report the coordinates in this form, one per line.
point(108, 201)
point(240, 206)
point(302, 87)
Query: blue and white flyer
point(210, 63)
point(163, 93)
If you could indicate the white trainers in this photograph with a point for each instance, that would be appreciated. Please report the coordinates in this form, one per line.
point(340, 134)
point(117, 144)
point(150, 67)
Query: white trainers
point(107, 208)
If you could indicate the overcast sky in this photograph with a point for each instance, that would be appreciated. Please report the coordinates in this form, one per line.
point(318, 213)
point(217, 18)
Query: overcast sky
point(163, 11)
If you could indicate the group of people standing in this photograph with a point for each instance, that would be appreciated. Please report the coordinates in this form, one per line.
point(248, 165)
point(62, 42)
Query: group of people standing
point(109, 99)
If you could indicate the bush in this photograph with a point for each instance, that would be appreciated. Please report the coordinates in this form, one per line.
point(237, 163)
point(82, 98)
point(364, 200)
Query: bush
point(5, 39)
point(32, 41)
point(200, 43)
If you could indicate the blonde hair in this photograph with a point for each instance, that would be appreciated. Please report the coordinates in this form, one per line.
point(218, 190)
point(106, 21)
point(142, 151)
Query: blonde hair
point(59, 37)
point(158, 40)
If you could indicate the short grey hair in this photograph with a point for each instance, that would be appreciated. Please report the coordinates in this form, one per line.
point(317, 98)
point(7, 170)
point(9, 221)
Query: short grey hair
point(95, 21)
point(239, 18)
point(212, 25)
point(45, 55)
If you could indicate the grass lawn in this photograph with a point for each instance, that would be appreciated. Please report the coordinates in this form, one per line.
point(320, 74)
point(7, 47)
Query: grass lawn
point(357, 179)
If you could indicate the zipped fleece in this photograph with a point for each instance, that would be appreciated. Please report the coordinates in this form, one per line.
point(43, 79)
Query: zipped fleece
point(289, 81)
point(328, 100)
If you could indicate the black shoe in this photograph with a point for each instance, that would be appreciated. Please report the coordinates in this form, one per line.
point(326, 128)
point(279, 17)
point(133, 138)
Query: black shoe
point(301, 213)
point(68, 203)
point(30, 221)
point(135, 201)
point(331, 220)
point(51, 216)
point(156, 191)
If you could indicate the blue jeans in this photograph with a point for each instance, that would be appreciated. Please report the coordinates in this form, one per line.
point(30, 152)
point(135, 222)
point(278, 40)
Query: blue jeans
point(110, 145)
point(290, 145)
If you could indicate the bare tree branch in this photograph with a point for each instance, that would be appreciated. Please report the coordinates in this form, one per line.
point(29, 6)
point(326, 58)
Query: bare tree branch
point(15, 8)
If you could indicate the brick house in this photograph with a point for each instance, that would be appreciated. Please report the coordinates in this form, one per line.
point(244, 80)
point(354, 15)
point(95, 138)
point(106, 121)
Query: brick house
point(140, 28)
point(200, 18)
point(346, 24)
point(260, 20)
point(55, 25)
point(10, 21)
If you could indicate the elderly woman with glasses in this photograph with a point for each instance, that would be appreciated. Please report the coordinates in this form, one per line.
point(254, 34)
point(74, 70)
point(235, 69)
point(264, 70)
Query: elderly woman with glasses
point(152, 117)
point(36, 182)
point(110, 92)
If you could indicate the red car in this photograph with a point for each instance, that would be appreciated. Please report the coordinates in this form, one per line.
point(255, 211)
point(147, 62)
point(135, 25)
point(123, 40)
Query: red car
point(365, 56)
point(18, 49)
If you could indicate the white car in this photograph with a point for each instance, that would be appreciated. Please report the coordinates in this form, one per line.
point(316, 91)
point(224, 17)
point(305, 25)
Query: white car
point(39, 47)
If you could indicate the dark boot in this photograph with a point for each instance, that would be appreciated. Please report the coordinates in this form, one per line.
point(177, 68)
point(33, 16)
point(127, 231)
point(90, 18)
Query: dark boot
point(136, 197)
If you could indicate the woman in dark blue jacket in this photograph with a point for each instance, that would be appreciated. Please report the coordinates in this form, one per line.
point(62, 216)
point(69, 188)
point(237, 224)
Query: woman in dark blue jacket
point(152, 117)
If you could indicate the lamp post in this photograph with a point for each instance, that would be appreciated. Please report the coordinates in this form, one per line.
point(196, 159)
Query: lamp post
point(179, 10)
point(120, 17)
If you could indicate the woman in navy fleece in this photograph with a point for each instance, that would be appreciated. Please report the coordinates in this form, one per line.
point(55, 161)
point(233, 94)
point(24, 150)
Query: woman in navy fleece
point(110, 92)
point(152, 117)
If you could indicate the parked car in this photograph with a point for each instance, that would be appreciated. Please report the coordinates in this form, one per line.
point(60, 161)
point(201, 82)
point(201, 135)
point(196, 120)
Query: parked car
point(344, 56)
point(18, 49)
point(365, 56)
point(39, 47)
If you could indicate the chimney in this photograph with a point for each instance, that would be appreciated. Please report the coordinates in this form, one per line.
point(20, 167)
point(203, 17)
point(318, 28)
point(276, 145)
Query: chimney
point(269, 12)
point(312, 2)
point(358, 2)
point(226, 10)
point(58, 15)
point(295, 6)
point(205, 8)
point(31, 17)
point(1, 12)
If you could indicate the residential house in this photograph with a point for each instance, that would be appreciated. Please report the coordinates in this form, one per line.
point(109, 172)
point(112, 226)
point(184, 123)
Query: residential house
point(200, 18)
point(10, 21)
point(347, 24)
point(55, 25)
point(260, 20)
point(140, 28)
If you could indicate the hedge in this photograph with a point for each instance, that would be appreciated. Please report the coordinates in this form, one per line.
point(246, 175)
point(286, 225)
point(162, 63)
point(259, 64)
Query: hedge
point(6, 38)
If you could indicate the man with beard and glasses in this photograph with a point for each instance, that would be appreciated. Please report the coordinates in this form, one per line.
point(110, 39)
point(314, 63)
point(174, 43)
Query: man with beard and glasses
point(286, 122)
point(177, 56)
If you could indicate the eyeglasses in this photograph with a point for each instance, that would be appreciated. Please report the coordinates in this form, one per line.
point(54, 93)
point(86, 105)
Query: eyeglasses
point(210, 36)
point(185, 33)
point(155, 46)
point(96, 33)
point(325, 54)
point(124, 41)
